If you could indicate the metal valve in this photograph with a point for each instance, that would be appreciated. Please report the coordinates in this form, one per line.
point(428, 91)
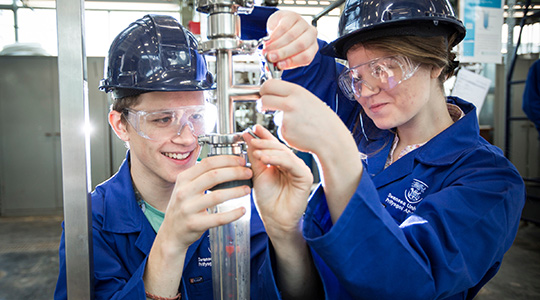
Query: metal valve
point(271, 70)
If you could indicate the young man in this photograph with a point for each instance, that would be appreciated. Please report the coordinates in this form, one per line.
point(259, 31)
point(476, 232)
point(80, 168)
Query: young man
point(150, 220)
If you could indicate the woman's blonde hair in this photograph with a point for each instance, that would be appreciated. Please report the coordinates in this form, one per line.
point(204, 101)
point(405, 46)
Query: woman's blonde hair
point(433, 51)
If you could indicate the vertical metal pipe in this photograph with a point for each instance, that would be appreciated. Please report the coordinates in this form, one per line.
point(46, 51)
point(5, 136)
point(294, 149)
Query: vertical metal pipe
point(224, 78)
point(16, 20)
point(230, 243)
point(74, 118)
point(511, 53)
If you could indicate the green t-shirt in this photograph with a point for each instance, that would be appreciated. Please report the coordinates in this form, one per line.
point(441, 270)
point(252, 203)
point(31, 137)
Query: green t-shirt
point(154, 216)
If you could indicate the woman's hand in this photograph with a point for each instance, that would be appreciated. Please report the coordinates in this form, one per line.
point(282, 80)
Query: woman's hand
point(293, 42)
point(308, 123)
point(281, 183)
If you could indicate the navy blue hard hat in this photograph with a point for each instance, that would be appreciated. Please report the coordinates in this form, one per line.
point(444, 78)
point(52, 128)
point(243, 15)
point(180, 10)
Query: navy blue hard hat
point(364, 20)
point(155, 53)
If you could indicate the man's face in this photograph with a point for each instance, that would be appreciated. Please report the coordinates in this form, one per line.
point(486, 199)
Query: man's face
point(159, 161)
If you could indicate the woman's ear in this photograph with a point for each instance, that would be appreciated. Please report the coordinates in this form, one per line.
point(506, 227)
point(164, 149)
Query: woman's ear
point(436, 72)
point(119, 127)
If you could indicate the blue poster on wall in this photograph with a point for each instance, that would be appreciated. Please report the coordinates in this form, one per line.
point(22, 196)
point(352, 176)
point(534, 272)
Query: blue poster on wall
point(483, 20)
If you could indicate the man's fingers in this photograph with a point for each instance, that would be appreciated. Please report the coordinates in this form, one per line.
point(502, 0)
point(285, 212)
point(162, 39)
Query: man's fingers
point(203, 222)
point(210, 163)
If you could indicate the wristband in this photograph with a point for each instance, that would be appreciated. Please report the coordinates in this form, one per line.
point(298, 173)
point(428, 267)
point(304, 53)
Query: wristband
point(154, 297)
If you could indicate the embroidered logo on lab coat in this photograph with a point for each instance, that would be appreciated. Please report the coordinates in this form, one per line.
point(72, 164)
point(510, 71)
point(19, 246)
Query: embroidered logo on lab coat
point(414, 193)
point(204, 262)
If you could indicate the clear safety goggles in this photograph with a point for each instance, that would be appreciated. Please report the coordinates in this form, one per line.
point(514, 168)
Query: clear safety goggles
point(165, 124)
point(378, 74)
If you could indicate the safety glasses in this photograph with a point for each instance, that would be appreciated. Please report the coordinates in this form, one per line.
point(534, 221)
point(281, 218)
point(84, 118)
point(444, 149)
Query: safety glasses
point(380, 74)
point(165, 124)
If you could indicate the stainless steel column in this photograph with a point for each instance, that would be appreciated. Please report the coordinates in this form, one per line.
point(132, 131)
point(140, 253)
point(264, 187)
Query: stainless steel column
point(230, 243)
point(74, 118)
point(224, 79)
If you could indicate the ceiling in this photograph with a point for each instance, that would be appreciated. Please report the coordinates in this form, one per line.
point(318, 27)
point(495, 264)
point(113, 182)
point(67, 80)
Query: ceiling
point(518, 7)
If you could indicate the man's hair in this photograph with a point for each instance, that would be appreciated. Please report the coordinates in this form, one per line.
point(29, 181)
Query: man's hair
point(120, 104)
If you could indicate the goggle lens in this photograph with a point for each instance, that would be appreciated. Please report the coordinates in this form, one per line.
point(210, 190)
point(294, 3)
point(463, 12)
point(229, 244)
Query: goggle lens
point(165, 124)
point(382, 73)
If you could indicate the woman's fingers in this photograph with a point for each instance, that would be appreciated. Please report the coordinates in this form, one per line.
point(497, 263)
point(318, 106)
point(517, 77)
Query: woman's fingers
point(293, 42)
point(279, 95)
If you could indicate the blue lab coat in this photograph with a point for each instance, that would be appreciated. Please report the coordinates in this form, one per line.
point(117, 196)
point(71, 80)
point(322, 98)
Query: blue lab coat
point(531, 95)
point(433, 225)
point(123, 237)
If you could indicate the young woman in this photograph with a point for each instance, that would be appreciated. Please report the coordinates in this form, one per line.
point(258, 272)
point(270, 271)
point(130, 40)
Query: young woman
point(414, 204)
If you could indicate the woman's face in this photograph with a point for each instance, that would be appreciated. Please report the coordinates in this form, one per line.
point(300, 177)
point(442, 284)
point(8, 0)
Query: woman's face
point(400, 105)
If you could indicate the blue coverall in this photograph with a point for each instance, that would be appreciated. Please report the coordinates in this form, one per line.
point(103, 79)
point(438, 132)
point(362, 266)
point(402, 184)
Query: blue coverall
point(433, 225)
point(123, 237)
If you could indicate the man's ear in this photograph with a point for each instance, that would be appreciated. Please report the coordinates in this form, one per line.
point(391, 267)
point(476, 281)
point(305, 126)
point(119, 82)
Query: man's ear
point(119, 127)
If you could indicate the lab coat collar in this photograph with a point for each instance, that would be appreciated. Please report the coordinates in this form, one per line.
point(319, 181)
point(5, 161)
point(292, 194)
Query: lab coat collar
point(449, 145)
point(443, 149)
point(122, 214)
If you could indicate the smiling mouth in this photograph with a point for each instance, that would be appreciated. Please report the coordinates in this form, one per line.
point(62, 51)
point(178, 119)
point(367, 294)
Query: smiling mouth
point(178, 156)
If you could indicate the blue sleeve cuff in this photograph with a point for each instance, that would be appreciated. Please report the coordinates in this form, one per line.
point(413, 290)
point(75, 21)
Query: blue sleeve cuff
point(267, 287)
point(317, 222)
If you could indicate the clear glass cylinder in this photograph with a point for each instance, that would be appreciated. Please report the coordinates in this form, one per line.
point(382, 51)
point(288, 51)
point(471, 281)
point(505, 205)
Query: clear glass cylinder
point(230, 246)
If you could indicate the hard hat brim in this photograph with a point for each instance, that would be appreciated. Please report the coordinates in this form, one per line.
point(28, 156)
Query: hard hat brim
point(410, 27)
